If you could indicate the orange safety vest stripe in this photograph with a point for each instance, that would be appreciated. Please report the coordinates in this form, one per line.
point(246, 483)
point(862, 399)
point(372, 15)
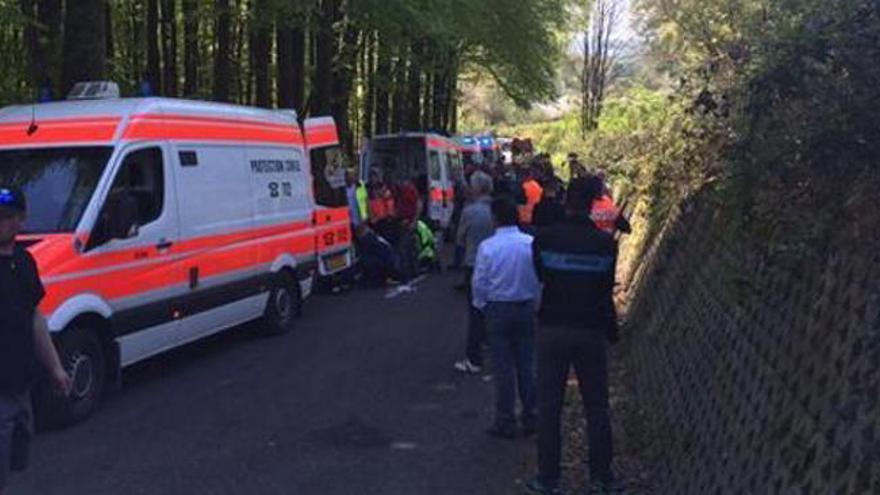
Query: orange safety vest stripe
point(534, 192)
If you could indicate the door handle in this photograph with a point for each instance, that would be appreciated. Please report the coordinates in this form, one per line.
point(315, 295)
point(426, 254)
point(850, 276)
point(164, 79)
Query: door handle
point(164, 245)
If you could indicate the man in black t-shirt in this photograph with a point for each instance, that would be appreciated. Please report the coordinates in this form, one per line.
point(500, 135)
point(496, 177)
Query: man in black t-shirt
point(25, 344)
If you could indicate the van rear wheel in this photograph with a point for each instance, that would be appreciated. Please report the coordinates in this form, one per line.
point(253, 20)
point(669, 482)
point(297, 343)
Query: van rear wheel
point(283, 306)
point(83, 357)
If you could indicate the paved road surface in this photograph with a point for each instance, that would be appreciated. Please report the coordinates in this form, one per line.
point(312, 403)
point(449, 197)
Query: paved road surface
point(360, 399)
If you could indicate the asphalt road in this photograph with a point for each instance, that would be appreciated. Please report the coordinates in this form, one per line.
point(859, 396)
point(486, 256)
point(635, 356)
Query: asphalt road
point(360, 399)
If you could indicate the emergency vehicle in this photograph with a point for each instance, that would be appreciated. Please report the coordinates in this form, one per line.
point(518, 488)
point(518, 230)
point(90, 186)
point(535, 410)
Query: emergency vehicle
point(157, 222)
point(471, 153)
point(489, 148)
point(431, 161)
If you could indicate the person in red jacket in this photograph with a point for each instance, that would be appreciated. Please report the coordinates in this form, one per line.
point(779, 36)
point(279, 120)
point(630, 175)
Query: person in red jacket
point(408, 206)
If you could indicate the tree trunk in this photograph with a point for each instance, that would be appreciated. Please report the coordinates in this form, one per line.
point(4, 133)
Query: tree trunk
point(452, 115)
point(108, 39)
point(42, 40)
point(414, 88)
point(169, 47)
point(85, 51)
point(428, 100)
point(440, 96)
point(261, 50)
point(325, 50)
point(284, 44)
point(154, 71)
point(299, 70)
point(190, 48)
point(368, 74)
point(382, 83)
point(222, 69)
point(399, 112)
point(37, 62)
point(342, 86)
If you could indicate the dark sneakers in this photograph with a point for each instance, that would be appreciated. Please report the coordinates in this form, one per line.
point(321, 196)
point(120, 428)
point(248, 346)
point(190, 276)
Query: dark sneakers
point(538, 487)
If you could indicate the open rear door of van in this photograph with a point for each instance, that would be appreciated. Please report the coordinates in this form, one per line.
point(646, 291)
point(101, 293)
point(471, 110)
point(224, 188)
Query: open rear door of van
point(331, 218)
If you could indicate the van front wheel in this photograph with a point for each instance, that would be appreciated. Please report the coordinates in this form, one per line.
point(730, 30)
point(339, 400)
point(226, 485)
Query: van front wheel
point(83, 357)
point(282, 307)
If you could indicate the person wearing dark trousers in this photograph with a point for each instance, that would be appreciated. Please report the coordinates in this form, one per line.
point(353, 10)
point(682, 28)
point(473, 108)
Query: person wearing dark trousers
point(407, 209)
point(506, 288)
point(26, 349)
point(576, 262)
point(476, 226)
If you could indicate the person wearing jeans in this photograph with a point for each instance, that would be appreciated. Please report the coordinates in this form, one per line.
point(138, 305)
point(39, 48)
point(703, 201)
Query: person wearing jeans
point(476, 225)
point(506, 288)
point(576, 262)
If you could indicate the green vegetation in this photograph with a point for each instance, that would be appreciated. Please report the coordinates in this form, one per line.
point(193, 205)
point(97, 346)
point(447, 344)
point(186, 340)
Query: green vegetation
point(773, 110)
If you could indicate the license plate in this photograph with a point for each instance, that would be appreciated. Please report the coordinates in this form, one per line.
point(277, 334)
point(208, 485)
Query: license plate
point(335, 262)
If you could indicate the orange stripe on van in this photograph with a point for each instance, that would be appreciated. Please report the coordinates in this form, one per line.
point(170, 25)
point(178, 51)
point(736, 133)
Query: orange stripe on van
point(187, 127)
point(136, 271)
point(59, 131)
point(440, 143)
point(321, 135)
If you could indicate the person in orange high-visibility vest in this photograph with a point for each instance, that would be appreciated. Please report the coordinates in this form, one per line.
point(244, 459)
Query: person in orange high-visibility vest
point(381, 201)
point(604, 213)
point(533, 192)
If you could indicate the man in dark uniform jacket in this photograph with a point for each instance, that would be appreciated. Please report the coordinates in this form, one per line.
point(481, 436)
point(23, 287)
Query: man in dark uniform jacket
point(576, 263)
point(25, 344)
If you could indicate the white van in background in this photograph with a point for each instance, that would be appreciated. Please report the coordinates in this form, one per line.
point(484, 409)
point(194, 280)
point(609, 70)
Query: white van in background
point(431, 161)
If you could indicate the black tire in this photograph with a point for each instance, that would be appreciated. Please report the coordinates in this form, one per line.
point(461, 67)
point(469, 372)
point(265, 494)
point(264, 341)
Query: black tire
point(83, 357)
point(283, 306)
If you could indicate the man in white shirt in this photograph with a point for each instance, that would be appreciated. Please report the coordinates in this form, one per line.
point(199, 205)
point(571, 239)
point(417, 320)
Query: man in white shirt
point(506, 288)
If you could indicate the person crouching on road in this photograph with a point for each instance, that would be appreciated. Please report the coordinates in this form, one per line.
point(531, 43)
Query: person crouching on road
point(506, 288)
point(377, 259)
point(476, 226)
point(24, 339)
point(575, 257)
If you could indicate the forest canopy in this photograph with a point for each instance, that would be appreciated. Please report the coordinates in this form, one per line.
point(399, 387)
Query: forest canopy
point(375, 65)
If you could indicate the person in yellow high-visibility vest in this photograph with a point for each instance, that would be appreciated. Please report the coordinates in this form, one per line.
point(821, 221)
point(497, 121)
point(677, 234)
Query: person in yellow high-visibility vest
point(358, 199)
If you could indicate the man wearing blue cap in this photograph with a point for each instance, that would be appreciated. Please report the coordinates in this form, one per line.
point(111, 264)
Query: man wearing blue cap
point(25, 344)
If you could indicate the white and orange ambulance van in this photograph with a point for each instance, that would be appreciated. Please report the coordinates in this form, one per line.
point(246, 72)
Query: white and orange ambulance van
point(432, 161)
point(157, 222)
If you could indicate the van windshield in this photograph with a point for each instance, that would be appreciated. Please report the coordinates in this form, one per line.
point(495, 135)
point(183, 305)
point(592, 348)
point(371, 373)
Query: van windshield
point(57, 182)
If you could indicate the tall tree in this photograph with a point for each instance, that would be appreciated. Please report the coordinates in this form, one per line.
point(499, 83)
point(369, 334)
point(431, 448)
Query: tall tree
point(398, 95)
point(413, 118)
point(169, 48)
point(262, 46)
point(222, 47)
point(325, 48)
point(343, 76)
point(601, 50)
point(382, 82)
point(85, 51)
point(154, 67)
point(190, 47)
